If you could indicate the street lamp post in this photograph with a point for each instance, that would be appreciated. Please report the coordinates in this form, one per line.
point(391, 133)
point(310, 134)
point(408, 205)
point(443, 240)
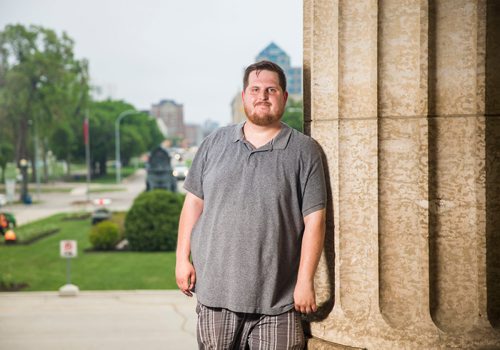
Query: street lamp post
point(118, 163)
point(23, 165)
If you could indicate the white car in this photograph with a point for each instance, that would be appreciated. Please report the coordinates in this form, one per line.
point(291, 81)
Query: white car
point(180, 172)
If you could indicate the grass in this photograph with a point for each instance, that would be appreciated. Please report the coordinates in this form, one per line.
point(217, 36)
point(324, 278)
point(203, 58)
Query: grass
point(33, 230)
point(78, 176)
point(110, 177)
point(107, 189)
point(40, 266)
point(44, 188)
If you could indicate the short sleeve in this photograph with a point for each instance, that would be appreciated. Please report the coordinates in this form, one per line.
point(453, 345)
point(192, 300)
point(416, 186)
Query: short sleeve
point(194, 179)
point(314, 193)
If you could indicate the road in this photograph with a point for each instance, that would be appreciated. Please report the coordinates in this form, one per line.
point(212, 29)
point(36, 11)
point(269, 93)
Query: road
point(122, 196)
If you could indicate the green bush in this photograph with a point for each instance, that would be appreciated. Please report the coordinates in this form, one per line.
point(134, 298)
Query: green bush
point(104, 235)
point(118, 218)
point(151, 223)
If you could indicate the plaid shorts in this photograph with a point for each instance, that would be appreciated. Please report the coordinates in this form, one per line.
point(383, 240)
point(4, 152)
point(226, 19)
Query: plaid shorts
point(219, 328)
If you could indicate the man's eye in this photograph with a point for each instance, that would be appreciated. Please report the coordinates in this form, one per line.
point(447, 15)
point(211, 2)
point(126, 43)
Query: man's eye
point(271, 90)
point(255, 89)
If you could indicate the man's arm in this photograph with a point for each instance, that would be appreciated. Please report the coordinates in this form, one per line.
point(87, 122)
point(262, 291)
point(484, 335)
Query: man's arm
point(312, 246)
point(185, 274)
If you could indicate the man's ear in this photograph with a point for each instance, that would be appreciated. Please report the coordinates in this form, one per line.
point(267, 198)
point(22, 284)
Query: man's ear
point(286, 96)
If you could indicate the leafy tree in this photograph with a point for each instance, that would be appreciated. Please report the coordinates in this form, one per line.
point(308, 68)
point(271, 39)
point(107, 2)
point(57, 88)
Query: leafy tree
point(41, 84)
point(131, 142)
point(294, 114)
point(138, 133)
point(63, 143)
point(6, 155)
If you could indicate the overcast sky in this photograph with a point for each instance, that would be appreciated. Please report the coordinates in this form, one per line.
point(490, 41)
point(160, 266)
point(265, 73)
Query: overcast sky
point(193, 52)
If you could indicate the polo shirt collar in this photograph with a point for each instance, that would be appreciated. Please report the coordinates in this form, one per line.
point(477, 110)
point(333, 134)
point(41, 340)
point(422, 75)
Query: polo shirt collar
point(279, 142)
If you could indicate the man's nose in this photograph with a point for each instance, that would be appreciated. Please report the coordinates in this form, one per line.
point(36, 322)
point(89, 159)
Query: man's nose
point(263, 94)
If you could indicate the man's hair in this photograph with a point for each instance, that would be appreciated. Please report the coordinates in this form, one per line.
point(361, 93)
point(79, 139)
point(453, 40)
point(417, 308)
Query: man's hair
point(265, 65)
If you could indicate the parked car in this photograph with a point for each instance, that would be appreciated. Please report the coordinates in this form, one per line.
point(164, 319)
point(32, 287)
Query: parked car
point(100, 214)
point(180, 172)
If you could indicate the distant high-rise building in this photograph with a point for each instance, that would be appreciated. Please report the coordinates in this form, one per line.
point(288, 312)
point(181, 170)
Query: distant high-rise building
point(172, 115)
point(194, 135)
point(275, 54)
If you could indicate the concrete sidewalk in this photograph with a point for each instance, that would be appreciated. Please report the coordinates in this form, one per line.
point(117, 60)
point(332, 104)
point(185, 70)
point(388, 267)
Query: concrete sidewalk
point(121, 320)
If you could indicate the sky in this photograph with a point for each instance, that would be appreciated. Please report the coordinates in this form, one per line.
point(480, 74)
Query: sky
point(190, 51)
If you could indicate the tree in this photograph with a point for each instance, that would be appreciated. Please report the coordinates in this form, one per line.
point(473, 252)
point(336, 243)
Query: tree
point(131, 142)
point(6, 154)
point(63, 143)
point(294, 114)
point(138, 133)
point(41, 83)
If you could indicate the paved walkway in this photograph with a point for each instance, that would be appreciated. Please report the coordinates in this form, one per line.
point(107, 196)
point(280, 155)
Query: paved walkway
point(71, 197)
point(115, 320)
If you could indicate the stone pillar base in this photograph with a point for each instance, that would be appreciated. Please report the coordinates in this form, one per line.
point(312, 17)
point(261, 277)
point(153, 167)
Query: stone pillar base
point(319, 344)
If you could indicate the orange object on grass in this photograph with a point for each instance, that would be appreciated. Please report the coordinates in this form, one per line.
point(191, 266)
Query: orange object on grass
point(10, 236)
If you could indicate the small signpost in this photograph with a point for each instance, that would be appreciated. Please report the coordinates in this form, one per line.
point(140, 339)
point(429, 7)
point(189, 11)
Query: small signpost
point(68, 250)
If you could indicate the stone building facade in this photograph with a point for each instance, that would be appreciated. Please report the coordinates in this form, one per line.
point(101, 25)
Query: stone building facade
point(171, 114)
point(404, 98)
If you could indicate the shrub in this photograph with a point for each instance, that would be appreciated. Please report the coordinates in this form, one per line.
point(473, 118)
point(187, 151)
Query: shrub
point(119, 219)
point(151, 223)
point(104, 235)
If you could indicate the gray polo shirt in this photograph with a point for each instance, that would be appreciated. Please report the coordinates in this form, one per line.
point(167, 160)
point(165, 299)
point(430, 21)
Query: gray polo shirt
point(246, 244)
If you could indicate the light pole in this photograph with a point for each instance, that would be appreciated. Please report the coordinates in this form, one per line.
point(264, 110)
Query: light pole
point(23, 165)
point(118, 163)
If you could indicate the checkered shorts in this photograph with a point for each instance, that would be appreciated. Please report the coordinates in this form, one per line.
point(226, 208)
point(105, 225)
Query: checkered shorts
point(219, 328)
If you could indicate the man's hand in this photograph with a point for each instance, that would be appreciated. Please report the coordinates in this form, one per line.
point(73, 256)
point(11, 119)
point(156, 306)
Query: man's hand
point(312, 245)
point(304, 297)
point(185, 275)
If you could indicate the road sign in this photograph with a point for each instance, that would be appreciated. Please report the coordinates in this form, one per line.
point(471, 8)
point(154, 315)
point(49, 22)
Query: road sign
point(68, 249)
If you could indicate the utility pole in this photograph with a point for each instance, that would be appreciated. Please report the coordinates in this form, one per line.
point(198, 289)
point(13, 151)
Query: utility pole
point(87, 151)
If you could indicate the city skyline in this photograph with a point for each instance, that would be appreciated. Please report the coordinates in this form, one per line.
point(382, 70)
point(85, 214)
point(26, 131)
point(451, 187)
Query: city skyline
point(143, 53)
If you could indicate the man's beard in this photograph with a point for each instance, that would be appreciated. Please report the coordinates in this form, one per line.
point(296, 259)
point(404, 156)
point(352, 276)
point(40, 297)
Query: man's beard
point(263, 119)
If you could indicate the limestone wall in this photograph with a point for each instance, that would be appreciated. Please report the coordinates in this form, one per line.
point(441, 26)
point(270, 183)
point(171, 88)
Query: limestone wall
point(404, 98)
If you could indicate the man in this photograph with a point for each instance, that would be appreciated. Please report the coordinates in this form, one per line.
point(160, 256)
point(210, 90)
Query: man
point(253, 220)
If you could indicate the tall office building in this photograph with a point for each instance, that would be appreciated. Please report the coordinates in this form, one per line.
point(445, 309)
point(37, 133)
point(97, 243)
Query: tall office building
point(171, 114)
point(275, 54)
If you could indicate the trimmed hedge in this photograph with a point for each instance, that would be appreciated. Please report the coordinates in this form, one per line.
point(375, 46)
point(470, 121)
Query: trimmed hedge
point(104, 236)
point(151, 224)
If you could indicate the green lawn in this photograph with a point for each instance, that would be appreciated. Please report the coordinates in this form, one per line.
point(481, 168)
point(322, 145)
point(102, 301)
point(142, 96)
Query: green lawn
point(41, 267)
point(110, 177)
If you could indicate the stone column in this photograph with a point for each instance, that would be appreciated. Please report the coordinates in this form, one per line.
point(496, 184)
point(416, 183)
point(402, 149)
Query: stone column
point(404, 98)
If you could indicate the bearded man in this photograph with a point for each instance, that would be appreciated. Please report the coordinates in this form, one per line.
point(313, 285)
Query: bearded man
point(253, 222)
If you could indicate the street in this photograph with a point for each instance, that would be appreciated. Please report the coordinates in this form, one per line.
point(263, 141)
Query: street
point(50, 203)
